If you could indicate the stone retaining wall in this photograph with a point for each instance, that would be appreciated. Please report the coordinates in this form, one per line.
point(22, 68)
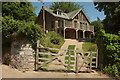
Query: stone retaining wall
point(22, 56)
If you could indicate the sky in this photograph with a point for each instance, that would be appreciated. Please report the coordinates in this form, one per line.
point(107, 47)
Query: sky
point(89, 9)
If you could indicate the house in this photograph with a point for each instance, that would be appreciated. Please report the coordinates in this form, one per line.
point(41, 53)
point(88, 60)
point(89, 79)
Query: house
point(73, 25)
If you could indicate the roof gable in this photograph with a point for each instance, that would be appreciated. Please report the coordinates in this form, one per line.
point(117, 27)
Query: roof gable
point(73, 13)
point(69, 15)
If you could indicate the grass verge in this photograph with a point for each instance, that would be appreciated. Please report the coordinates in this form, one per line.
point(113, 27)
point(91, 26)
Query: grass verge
point(88, 46)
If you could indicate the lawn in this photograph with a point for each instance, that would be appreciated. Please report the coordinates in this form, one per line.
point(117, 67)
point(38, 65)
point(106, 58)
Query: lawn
point(89, 46)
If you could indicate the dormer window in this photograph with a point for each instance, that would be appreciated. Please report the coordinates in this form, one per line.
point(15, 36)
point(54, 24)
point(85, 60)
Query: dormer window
point(58, 12)
point(55, 12)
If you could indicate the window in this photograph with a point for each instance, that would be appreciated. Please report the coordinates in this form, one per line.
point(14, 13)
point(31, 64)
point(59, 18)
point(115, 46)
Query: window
point(60, 23)
point(75, 24)
point(86, 25)
point(52, 24)
point(80, 16)
point(59, 12)
point(80, 24)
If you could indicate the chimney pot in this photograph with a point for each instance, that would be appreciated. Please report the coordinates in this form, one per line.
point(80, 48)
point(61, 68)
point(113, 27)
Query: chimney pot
point(43, 6)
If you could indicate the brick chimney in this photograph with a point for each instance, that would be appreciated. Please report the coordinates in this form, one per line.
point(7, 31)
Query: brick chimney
point(43, 6)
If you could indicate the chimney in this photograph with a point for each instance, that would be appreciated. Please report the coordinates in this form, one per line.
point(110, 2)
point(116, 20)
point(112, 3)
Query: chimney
point(43, 6)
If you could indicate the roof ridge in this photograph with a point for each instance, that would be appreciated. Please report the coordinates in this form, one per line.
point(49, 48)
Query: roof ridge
point(74, 10)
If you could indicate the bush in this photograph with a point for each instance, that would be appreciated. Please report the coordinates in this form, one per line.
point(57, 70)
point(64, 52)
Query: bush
point(52, 40)
point(109, 46)
point(55, 41)
point(15, 30)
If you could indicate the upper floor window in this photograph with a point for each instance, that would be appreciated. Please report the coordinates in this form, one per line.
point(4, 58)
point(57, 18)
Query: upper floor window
point(80, 16)
point(58, 12)
point(86, 24)
point(52, 24)
point(60, 23)
point(80, 24)
point(75, 24)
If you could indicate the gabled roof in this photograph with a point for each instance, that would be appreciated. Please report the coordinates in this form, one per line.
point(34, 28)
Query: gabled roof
point(69, 15)
point(72, 14)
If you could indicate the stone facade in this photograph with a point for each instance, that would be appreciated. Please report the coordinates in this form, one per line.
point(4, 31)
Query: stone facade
point(22, 56)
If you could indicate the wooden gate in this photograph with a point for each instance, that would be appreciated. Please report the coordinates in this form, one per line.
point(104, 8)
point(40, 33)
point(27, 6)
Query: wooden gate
point(86, 60)
point(44, 57)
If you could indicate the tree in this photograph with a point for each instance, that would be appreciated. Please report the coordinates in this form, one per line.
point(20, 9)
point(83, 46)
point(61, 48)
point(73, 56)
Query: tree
point(112, 11)
point(19, 10)
point(65, 6)
point(97, 25)
point(16, 30)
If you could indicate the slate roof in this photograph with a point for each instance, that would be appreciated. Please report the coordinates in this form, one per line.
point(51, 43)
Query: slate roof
point(72, 14)
point(69, 15)
point(61, 16)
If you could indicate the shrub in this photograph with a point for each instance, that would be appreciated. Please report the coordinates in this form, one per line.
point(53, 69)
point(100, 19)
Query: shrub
point(15, 29)
point(109, 46)
point(55, 41)
point(52, 40)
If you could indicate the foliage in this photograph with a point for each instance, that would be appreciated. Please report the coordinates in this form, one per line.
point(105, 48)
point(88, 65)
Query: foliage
point(109, 45)
point(112, 70)
point(97, 25)
point(31, 31)
point(112, 11)
point(52, 40)
point(65, 6)
point(19, 10)
point(15, 29)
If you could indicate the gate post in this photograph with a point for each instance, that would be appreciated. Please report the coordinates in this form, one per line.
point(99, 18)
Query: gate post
point(97, 58)
point(36, 56)
point(76, 69)
point(69, 60)
point(90, 61)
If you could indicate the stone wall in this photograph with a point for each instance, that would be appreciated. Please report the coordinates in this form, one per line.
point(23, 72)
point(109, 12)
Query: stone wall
point(22, 56)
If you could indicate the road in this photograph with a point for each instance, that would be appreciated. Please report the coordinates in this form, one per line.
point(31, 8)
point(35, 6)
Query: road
point(8, 72)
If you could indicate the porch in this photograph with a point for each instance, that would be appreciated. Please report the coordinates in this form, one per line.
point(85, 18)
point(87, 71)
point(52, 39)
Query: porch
point(74, 30)
point(72, 33)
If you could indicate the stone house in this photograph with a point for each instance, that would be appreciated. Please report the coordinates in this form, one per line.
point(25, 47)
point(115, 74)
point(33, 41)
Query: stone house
point(72, 25)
